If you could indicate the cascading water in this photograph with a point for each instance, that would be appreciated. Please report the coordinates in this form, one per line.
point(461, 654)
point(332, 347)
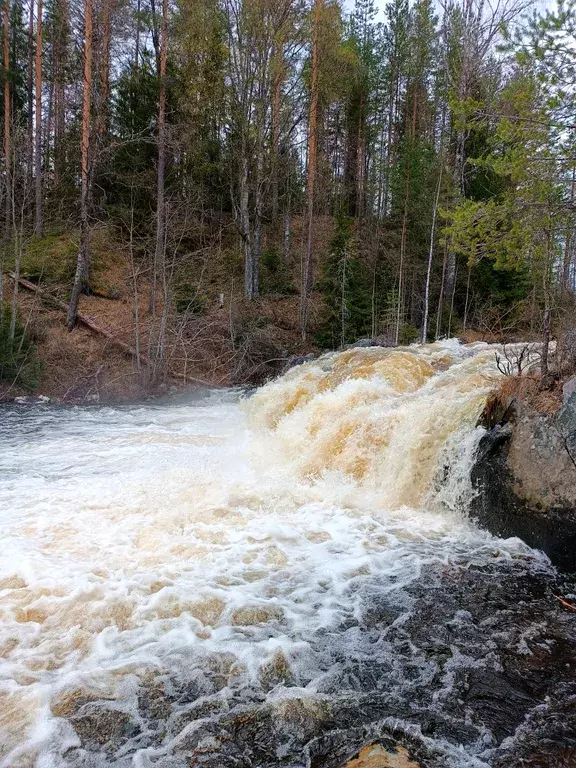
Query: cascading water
point(273, 582)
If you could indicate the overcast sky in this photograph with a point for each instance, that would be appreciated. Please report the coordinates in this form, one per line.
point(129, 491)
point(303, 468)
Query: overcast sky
point(538, 4)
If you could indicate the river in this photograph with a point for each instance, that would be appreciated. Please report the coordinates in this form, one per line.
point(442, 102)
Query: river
point(273, 580)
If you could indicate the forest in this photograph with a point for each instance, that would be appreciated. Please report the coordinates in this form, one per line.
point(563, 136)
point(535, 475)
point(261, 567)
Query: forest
point(215, 185)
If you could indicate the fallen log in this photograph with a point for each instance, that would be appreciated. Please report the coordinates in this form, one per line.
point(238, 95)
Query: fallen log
point(100, 331)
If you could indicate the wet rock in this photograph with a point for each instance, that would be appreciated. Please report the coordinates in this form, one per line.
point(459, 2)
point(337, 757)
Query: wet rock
point(31, 400)
point(69, 701)
point(525, 480)
point(306, 714)
point(294, 360)
point(152, 698)
point(569, 388)
point(200, 710)
point(252, 615)
point(377, 756)
point(103, 729)
point(547, 739)
point(566, 421)
point(470, 660)
point(361, 343)
point(275, 672)
point(376, 341)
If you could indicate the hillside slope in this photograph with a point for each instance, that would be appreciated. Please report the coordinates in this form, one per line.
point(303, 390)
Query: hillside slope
point(224, 341)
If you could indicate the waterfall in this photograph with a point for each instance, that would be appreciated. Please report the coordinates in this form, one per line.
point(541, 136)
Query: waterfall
point(379, 418)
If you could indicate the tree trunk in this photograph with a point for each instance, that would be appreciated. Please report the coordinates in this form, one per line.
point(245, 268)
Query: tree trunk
point(104, 75)
point(102, 105)
point(17, 243)
point(361, 161)
point(567, 260)
point(306, 284)
point(137, 44)
point(459, 158)
point(245, 224)
point(38, 224)
point(48, 132)
point(278, 77)
point(433, 232)
point(404, 235)
point(467, 300)
point(30, 99)
point(403, 239)
point(430, 257)
point(441, 296)
point(547, 310)
point(287, 233)
point(7, 127)
point(159, 250)
point(394, 89)
point(7, 153)
point(546, 338)
point(257, 242)
point(59, 75)
point(83, 265)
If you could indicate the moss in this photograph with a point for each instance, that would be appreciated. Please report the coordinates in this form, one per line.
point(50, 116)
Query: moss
point(51, 260)
point(18, 361)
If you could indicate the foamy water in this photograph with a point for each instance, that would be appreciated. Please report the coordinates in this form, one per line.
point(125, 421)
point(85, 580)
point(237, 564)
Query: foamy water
point(204, 546)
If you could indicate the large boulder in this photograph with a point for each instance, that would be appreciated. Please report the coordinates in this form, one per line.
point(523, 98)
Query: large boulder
point(525, 478)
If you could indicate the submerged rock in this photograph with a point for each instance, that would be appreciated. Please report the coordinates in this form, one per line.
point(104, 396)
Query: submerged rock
point(376, 756)
point(31, 400)
point(525, 478)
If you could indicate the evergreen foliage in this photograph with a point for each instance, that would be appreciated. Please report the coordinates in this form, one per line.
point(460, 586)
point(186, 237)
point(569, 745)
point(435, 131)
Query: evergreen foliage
point(18, 363)
point(444, 153)
point(345, 289)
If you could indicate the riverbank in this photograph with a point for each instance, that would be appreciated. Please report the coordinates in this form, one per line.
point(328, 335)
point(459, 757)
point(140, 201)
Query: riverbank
point(524, 474)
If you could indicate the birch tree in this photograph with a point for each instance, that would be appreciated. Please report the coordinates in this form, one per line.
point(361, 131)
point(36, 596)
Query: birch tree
point(83, 263)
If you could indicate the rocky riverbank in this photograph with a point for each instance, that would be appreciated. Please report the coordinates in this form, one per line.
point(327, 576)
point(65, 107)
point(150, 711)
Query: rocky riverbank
point(525, 473)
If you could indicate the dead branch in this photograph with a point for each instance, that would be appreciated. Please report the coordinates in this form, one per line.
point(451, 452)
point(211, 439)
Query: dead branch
point(100, 331)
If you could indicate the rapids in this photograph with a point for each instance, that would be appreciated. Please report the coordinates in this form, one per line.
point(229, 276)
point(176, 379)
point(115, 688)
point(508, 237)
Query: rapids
point(275, 580)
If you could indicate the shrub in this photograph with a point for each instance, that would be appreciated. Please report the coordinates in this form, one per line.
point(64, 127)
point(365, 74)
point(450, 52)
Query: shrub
point(408, 334)
point(18, 361)
point(187, 301)
point(274, 276)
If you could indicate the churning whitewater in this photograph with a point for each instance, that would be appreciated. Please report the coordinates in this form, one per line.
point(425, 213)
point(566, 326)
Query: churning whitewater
point(264, 581)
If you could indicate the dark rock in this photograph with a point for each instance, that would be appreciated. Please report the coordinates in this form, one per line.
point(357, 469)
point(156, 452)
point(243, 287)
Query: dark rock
point(525, 479)
point(376, 341)
point(569, 388)
point(276, 671)
point(383, 341)
point(103, 729)
point(362, 343)
point(31, 400)
point(294, 360)
point(464, 661)
point(566, 421)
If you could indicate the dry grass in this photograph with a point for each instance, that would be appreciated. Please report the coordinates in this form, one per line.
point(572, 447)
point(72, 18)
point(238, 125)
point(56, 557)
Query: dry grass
point(528, 389)
point(236, 344)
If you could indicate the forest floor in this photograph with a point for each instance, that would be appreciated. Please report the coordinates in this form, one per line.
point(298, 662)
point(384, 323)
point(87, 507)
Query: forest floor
point(228, 343)
point(210, 335)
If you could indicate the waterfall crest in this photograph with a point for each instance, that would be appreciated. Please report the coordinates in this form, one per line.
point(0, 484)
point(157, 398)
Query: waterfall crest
point(379, 417)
